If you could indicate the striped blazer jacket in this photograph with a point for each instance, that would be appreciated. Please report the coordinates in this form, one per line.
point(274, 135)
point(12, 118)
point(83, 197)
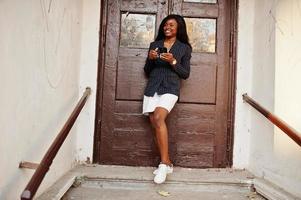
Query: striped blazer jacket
point(164, 78)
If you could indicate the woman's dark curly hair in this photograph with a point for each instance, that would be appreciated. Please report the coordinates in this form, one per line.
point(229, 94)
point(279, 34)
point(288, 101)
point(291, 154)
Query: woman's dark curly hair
point(181, 30)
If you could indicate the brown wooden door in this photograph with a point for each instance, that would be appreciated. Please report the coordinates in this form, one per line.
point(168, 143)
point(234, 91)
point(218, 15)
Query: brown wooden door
point(198, 123)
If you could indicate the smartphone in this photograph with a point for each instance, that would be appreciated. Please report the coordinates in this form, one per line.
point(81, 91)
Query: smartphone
point(162, 50)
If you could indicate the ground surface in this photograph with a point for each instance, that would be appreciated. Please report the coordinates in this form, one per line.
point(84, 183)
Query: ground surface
point(129, 183)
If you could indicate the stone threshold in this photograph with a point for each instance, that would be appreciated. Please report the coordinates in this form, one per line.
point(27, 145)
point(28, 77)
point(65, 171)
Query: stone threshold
point(126, 176)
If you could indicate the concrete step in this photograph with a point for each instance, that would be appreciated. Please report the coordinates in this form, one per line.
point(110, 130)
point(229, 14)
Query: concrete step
point(150, 194)
point(122, 182)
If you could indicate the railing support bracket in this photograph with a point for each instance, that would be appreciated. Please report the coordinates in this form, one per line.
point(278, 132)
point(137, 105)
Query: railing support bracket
point(28, 165)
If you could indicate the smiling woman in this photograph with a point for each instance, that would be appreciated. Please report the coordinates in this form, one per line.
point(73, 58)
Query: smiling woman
point(165, 69)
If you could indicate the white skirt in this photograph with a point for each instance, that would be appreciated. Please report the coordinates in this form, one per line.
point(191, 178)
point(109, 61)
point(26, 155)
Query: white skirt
point(166, 101)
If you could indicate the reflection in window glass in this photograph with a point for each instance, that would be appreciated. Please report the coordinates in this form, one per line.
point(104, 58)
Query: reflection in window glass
point(201, 1)
point(202, 34)
point(137, 30)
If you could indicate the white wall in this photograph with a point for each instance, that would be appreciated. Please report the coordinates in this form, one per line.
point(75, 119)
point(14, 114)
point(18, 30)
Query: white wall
point(88, 78)
point(241, 149)
point(274, 54)
point(287, 93)
point(39, 70)
point(261, 130)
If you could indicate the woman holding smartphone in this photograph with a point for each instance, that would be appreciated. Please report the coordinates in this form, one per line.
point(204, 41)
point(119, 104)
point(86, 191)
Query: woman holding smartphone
point(167, 63)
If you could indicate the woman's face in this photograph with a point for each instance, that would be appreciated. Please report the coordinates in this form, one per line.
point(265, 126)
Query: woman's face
point(170, 28)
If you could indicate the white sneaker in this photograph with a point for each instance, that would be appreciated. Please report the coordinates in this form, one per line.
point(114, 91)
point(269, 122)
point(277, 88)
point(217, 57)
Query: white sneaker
point(161, 174)
point(169, 170)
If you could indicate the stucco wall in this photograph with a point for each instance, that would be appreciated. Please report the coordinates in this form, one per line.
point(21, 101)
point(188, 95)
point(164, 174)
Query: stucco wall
point(245, 43)
point(263, 72)
point(39, 69)
point(274, 84)
point(287, 93)
point(88, 78)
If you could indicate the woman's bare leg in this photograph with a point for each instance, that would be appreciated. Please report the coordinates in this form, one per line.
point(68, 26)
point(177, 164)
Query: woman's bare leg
point(157, 119)
point(151, 118)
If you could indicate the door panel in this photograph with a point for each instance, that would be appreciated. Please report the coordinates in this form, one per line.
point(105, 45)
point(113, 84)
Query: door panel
point(130, 75)
point(201, 85)
point(199, 10)
point(198, 123)
point(140, 6)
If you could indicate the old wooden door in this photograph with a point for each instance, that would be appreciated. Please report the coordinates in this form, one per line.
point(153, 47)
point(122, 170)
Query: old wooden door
point(198, 124)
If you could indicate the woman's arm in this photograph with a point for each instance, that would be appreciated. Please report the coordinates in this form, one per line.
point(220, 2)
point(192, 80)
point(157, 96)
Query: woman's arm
point(148, 66)
point(149, 63)
point(183, 68)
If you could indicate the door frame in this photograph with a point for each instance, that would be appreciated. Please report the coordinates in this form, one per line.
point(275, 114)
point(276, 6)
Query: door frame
point(232, 80)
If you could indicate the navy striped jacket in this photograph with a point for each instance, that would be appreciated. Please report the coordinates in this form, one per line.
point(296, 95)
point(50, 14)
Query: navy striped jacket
point(163, 78)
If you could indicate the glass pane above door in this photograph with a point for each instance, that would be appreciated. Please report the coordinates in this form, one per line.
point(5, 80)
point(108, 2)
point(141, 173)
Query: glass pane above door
point(137, 30)
point(202, 34)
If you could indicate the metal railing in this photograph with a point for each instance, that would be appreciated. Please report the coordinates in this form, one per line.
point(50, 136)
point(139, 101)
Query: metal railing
point(291, 132)
point(43, 167)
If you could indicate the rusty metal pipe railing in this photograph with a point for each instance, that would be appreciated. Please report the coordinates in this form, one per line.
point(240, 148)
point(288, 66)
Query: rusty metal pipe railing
point(291, 132)
point(46, 162)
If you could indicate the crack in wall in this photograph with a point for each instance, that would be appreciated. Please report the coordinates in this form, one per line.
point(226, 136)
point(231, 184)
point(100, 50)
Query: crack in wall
point(49, 7)
point(55, 55)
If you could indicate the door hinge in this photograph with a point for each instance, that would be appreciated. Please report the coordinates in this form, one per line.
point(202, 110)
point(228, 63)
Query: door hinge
point(99, 123)
point(231, 44)
point(229, 126)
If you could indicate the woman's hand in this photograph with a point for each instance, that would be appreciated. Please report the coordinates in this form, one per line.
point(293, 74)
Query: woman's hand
point(153, 54)
point(168, 57)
